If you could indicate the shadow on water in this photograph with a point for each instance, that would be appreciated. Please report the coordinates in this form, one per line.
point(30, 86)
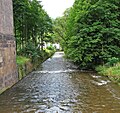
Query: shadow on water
point(58, 87)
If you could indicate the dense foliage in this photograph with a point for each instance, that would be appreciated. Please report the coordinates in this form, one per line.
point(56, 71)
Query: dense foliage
point(92, 32)
point(32, 26)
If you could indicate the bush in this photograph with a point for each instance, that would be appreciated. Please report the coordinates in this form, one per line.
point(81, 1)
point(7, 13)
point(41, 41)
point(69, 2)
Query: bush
point(112, 61)
point(102, 70)
point(31, 51)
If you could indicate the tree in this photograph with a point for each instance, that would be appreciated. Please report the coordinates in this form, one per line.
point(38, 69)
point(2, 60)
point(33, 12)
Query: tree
point(60, 29)
point(92, 32)
point(32, 23)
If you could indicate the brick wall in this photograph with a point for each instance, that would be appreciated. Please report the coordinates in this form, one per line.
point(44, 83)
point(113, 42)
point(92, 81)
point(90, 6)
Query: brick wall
point(8, 71)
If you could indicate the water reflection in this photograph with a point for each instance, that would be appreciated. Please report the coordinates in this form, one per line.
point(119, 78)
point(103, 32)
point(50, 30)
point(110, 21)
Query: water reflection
point(58, 87)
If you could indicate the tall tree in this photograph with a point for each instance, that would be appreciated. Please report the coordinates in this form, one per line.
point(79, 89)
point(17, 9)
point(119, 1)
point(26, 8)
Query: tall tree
point(32, 23)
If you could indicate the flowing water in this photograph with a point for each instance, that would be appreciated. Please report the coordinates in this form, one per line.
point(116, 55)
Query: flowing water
point(58, 87)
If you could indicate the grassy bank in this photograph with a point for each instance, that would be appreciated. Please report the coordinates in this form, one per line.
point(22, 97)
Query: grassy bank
point(21, 60)
point(113, 72)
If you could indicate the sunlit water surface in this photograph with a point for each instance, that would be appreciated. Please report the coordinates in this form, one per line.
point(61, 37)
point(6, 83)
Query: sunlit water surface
point(59, 87)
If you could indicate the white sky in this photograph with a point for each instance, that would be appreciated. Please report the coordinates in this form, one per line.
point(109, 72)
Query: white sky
point(55, 8)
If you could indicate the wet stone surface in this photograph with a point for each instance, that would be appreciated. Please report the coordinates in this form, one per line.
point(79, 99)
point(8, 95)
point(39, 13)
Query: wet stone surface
point(58, 87)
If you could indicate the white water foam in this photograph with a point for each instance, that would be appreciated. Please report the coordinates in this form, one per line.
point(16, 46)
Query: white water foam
point(55, 72)
point(102, 82)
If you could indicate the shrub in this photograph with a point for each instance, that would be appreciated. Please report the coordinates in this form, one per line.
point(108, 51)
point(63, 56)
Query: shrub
point(31, 51)
point(112, 61)
point(50, 47)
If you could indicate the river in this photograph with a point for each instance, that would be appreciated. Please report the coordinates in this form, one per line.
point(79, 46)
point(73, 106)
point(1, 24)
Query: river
point(57, 86)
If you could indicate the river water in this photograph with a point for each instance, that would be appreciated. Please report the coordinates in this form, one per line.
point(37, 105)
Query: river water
point(58, 87)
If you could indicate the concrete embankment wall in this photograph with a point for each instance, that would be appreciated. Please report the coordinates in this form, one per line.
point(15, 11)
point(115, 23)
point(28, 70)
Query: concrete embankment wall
point(8, 70)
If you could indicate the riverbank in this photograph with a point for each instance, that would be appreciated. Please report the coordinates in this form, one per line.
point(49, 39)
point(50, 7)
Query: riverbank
point(27, 65)
point(112, 72)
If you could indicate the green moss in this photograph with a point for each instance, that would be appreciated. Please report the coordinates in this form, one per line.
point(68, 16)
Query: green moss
point(1, 91)
point(21, 72)
point(21, 62)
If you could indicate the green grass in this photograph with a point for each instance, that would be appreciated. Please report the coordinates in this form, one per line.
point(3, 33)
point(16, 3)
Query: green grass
point(21, 60)
point(112, 72)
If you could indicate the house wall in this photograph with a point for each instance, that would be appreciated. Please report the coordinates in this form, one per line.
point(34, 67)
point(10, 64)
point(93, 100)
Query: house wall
point(8, 69)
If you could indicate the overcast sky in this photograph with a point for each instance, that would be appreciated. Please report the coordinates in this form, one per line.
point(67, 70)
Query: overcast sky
point(55, 8)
